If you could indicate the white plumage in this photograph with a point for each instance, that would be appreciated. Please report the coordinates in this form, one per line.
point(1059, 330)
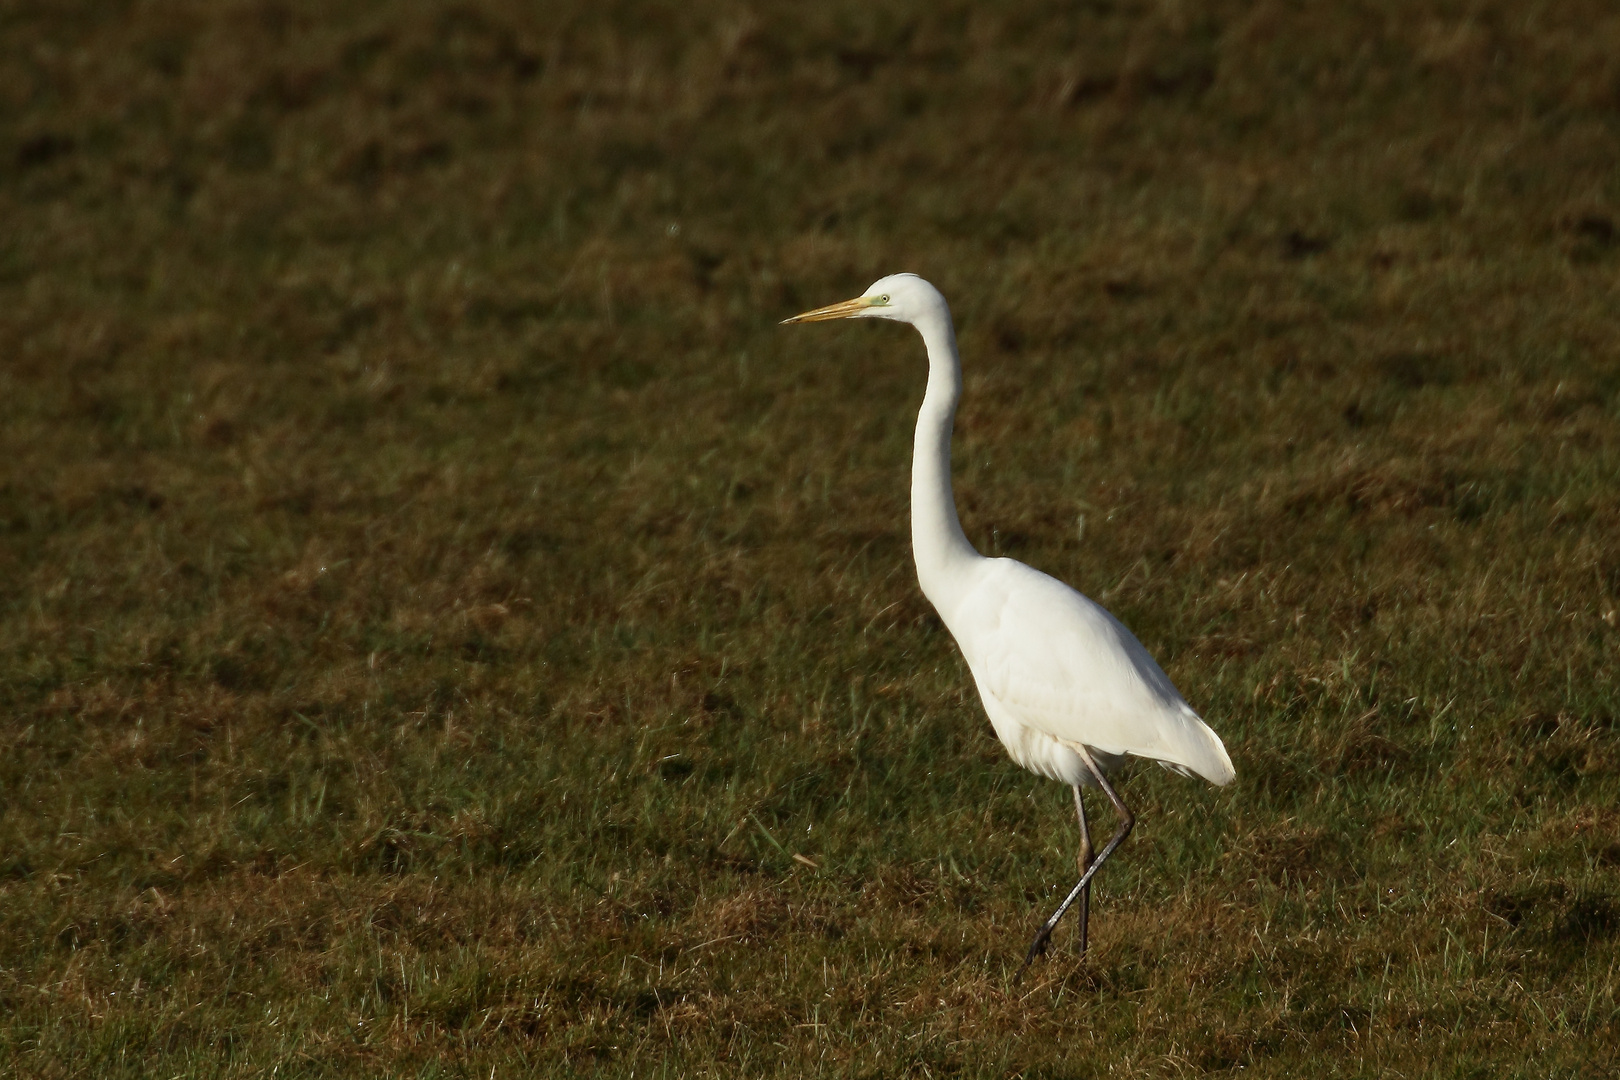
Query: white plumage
point(1055, 669)
point(1068, 689)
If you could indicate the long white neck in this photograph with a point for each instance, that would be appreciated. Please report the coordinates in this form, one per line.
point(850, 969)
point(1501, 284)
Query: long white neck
point(941, 548)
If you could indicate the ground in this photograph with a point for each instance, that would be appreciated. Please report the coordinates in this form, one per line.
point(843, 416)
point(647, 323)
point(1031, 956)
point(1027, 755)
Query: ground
point(450, 629)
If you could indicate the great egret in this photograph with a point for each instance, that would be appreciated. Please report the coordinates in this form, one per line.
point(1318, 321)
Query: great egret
point(1070, 691)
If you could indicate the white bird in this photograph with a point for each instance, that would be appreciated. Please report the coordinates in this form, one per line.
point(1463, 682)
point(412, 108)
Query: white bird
point(1069, 690)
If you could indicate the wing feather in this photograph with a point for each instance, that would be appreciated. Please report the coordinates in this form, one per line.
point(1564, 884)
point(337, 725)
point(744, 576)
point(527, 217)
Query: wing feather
point(1060, 663)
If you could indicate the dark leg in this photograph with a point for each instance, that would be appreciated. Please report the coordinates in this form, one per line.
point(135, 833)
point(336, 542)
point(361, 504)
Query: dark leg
point(1126, 821)
point(1085, 864)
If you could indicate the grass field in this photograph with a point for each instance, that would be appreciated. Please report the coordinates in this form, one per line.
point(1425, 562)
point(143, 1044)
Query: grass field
point(440, 603)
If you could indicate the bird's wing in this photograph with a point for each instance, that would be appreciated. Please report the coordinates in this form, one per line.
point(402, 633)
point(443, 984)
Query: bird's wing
point(1061, 664)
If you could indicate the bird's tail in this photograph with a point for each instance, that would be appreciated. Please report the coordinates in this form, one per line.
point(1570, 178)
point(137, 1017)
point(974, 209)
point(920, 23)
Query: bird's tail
point(1200, 751)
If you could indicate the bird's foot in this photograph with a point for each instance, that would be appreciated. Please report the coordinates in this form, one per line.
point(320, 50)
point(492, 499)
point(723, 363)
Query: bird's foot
point(1037, 948)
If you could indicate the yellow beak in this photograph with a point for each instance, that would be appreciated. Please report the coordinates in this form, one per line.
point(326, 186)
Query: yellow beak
point(847, 309)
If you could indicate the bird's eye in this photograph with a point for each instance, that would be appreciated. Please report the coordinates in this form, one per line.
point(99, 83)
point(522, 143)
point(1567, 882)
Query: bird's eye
point(884, 299)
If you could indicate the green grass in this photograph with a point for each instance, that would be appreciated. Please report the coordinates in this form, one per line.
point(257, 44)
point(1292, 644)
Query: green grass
point(439, 601)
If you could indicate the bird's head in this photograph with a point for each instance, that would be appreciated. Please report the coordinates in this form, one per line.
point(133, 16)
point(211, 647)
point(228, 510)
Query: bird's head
point(901, 297)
